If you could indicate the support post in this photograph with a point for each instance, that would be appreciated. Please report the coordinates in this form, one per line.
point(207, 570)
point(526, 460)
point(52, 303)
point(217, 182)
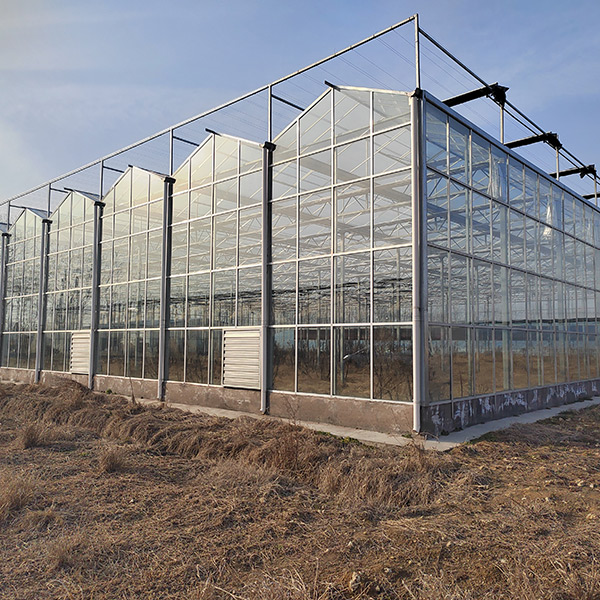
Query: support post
point(419, 257)
point(268, 148)
point(417, 53)
point(39, 345)
point(96, 266)
point(165, 287)
point(3, 257)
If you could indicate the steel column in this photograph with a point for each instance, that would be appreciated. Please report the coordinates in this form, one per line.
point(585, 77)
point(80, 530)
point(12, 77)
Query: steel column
point(417, 52)
point(165, 287)
point(268, 148)
point(97, 263)
point(419, 257)
point(39, 346)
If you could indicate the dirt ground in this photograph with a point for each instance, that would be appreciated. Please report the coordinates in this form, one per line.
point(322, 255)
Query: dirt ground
point(101, 498)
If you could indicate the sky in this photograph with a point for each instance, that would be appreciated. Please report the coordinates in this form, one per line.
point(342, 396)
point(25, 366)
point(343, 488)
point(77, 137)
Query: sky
point(79, 80)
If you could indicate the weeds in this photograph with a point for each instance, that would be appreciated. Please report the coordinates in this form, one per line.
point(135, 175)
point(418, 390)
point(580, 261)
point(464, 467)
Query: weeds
point(15, 493)
point(113, 459)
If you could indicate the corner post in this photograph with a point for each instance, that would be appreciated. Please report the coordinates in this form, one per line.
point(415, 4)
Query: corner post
point(96, 266)
point(419, 256)
point(268, 148)
point(165, 287)
point(39, 342)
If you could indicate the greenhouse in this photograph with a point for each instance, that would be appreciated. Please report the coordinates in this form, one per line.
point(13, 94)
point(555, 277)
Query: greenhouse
point(381, 263)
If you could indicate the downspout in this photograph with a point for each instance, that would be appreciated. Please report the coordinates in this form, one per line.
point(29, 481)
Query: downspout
point(268, 148)
point(97, 264)
point(165, 287)
point(39, 345)
point(419, 257)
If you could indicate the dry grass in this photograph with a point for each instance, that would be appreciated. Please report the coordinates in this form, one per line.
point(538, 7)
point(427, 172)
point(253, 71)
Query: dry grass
point(113, 459)
point(16, 492)
point(212, 509)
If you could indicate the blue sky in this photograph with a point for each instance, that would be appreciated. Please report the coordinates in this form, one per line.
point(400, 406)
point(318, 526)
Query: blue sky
point(79, 79)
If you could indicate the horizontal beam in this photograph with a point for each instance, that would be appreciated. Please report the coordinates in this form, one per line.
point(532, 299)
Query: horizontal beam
point(548, 137)
point(494, 90)
point(581, 171)
point(284, 101)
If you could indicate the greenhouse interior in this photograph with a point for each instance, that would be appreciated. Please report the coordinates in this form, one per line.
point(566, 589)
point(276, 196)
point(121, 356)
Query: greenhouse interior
point(382, 262)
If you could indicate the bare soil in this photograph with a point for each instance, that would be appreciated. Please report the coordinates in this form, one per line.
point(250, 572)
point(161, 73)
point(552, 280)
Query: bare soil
point(101, 498)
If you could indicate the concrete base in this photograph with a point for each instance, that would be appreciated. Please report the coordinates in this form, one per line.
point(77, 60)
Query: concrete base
point(444, 417)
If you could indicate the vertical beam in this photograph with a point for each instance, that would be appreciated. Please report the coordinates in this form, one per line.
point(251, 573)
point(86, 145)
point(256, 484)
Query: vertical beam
point(171, 152)
point(502, 117)
point(417, 52)
point(96, 267)
point(39, 346)
point(270, 114)
point(267, 174)
point(165, 287)
point(3, 259)
point(419, 256)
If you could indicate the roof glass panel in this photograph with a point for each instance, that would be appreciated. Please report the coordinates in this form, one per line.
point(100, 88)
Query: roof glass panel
point(226, 157)
point(389, 110)
point(352, 114)
point(315, 126)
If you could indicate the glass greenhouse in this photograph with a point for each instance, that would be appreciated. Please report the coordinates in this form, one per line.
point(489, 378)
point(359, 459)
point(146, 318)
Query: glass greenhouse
point(381, 263)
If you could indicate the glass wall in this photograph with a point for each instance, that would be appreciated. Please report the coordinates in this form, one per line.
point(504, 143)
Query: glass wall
point(22, 289)
point(513, 270)
point(131, 257)
point(341, 278)
point(216, 258)
point(69, 287)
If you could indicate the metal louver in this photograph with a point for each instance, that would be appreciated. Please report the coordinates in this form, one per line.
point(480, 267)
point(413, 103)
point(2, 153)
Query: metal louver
point(80, 352)
point(241, 358)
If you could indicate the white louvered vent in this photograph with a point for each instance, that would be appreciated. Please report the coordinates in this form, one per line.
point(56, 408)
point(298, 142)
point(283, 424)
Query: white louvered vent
point(241, 358)
point(80, 352)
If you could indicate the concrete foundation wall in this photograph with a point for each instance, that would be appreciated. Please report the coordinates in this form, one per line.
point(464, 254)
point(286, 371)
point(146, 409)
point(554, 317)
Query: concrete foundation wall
point(445, 417)
point(386, 417)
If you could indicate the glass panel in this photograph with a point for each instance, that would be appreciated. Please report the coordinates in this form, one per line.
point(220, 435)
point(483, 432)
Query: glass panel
point(392, 285)
point(198, 300)
point(286, 144)
point(284, 359)
point(196, 365)
point(249, 297)
point(315, 224)
point(251, 189)
point(216, 346)
point(314, 360)
point(548, 349)
point(352, 114)
point(392, 150)
point(153, 303)
point(226, 158)
point(119, 306)
point(437, 209)
point(151, 354)
point(225, 242)
point(199, 252)
point(498, 174)
point(392, 210)
point(458, 137)
point(117, 353)
point(462, 362)
point(438, 275)
point(284, 179)
point(480, 164)
point(460, 292)
point(201, 163)
point(315, 126)
point(484, 361)
point(352, 362)
point(251, 157)
point(519, 359)
point(179, 250)
point(389, 110)
point(137, 257)
point(353, 217)
point(438, 370)
point(178, 302)
point(283, 229)
point(201, 202)
point(352, 161)
point(135, 351)
point(250, 236)
point(176, 355)
point(223, 293)
point(314, 291)
point(283, 294)
point(226, 195)
point(353, 288)
point(392, 363)
point(459, 217)
point(502, 359)
point(181, 208)
point(436, 138)
point(315, 171)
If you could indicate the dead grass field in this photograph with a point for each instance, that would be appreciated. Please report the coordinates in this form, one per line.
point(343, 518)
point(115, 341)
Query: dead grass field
point(101, 498)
